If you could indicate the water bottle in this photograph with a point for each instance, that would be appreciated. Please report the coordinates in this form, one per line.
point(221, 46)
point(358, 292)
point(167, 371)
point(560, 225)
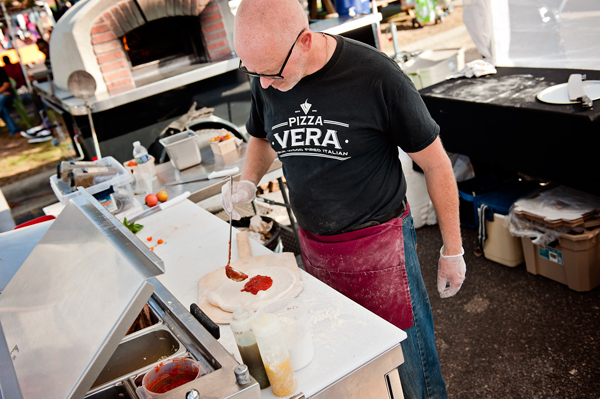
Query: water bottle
point(145, 168)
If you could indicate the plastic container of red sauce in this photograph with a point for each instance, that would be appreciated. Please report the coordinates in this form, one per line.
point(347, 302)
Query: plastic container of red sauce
point(169, 375)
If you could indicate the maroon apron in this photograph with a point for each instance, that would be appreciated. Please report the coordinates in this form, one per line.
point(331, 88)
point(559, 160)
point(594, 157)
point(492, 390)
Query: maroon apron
point(366, 265)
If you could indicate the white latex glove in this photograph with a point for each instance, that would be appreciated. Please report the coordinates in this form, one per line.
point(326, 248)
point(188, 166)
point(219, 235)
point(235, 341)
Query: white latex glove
point(243, 192)
point(451, 273)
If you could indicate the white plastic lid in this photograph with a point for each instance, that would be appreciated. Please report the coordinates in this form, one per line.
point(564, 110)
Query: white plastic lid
point(241, 320)
point(265, 325)
point(136, 144)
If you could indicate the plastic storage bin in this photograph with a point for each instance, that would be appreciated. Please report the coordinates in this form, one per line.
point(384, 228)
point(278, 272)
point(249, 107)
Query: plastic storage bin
point(432, 66)
point(575, 261)
point(182, 149)
point(499, 245)
point(121, 184)
point(470, 189)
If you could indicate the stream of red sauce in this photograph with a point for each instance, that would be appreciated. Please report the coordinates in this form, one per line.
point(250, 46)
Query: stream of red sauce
point(258, 283)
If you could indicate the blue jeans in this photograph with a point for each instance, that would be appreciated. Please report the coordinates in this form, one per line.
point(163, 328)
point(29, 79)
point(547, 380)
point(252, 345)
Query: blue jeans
point(5, 102)
point(420, 374)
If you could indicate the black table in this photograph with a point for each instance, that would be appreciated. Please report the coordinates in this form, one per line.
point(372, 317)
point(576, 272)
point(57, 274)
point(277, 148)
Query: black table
point(498, 120)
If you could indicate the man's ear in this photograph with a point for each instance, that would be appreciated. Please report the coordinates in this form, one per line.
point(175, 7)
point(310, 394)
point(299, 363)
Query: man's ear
point(305, 42)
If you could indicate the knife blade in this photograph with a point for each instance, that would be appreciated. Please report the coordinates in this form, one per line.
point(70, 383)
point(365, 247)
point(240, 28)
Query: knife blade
point(576, 90)
point(160, 207)
point(213, 175)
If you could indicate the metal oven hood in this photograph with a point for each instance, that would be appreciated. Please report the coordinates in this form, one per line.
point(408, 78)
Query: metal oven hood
point(73, 299)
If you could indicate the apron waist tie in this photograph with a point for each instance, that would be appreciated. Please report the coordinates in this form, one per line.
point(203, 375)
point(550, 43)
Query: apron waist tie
point(386, 218)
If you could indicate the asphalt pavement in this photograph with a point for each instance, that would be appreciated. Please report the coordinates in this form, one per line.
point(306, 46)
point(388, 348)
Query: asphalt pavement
point(509, 333)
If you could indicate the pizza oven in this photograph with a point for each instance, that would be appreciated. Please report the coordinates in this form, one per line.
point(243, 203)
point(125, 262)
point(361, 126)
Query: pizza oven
point(129, 44)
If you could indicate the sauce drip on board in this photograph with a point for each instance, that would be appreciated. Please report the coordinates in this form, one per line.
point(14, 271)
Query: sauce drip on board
point(257, 283)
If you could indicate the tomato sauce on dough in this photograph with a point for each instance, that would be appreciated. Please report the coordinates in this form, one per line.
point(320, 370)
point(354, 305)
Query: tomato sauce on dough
point(258, 283)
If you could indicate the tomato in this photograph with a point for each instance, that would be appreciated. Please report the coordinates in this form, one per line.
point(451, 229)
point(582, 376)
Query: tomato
point(162, 195)
point(151, 200)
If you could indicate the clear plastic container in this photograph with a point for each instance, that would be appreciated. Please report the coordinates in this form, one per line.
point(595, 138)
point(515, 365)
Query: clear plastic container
point(273, 350)
point(295, 321)
point(121, 183)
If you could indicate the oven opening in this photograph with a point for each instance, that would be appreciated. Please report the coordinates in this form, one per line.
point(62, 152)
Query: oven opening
point(165, 47)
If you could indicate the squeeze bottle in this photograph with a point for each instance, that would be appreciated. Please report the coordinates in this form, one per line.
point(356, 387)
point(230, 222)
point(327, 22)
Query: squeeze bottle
point(241, 325)
point(274, 353)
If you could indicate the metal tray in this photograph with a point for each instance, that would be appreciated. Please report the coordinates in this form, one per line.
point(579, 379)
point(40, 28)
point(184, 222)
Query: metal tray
point(139, 352)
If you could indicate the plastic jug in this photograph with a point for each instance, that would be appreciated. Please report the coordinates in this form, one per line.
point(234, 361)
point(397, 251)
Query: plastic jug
point(295, 321)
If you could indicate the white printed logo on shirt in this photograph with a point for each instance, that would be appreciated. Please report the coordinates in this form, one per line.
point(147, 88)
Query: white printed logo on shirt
point(309, 135)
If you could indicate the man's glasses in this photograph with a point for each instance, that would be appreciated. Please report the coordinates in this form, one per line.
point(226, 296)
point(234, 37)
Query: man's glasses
point(277, 75)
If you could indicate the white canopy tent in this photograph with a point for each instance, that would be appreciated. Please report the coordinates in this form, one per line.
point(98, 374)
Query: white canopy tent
point(536, 33)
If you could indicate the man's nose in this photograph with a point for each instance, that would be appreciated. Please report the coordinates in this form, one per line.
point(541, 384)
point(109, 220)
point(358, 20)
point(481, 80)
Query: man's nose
point(266, 82)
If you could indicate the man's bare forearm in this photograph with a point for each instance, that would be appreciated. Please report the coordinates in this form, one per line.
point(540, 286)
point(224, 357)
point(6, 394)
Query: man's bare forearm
point(259, 157)
point(441, 186)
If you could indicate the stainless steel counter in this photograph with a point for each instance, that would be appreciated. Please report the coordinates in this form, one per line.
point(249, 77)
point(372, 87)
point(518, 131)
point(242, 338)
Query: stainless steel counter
point(204, 189)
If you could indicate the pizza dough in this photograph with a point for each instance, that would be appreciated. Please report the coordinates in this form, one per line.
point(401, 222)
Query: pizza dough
point(229, 294)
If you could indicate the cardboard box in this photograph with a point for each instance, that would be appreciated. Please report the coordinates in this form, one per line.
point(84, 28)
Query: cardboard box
point(575, 261)
point(223, 147)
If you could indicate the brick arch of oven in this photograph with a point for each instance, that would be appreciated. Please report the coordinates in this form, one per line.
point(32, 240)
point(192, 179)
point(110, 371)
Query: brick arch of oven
point(125, 16)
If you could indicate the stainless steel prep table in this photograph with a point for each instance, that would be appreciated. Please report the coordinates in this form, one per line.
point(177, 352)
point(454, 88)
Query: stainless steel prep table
point(354, 348)
point(350, 341)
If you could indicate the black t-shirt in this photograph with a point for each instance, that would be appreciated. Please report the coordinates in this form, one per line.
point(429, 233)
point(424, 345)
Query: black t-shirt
point(337, 132)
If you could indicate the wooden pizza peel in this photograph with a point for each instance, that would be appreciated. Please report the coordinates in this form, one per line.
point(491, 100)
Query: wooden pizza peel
point(211, 281)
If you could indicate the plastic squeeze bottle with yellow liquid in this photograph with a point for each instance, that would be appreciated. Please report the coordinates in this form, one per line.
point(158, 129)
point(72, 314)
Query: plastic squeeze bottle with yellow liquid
point(274, 353)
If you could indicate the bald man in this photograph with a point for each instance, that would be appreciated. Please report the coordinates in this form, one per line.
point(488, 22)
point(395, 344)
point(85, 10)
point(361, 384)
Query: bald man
point(335, 111)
